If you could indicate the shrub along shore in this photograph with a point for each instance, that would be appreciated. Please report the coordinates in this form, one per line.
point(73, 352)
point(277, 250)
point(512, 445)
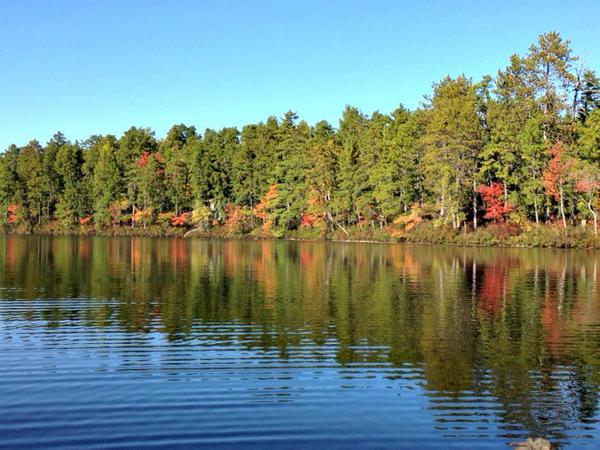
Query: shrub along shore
point(510, 159)
point(500, 235)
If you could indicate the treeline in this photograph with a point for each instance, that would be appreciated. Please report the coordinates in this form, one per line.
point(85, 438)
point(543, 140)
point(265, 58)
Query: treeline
point(520, 148)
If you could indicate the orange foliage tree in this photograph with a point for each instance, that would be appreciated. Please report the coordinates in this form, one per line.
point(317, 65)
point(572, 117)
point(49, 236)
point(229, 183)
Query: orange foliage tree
point(265, 206)
point(180, 220)
point(314, 214)
point(236, 219)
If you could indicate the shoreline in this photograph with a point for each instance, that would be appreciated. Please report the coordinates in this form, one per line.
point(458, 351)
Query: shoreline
point(544, 237)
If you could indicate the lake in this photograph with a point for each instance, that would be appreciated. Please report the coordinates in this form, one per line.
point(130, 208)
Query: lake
point(171, 343)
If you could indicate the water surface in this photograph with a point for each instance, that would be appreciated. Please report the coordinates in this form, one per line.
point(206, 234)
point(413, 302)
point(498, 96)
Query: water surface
point(119, 342)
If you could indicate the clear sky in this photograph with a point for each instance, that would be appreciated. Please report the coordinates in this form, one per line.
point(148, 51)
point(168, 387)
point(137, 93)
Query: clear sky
point(94, 67)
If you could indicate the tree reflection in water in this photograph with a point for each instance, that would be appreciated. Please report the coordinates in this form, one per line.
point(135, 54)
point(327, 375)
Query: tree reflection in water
point(518, 329)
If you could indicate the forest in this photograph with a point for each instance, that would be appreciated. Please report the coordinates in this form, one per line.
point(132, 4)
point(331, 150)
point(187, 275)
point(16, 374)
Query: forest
point(507, 159)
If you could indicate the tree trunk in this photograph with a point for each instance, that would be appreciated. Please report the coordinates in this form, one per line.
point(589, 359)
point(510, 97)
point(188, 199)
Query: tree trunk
point(537, 216)
point(576, 95)
point(595, 216)
point(474, 206)
point(251, 211)
point(562, 208)
point(343, 229)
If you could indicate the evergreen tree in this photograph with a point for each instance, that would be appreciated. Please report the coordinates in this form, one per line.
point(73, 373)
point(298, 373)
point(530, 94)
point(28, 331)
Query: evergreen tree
point(30, 170)
point(320, 156)
point(587, 94)
point(252, 164)
point(452, 140)
point(549, 66)
point(395, 177)
point(71, 198)
point(534, 161)
point(10, 185)
point(52, 180)
point(352, 127)
point(289, 173)
point(175, 148)
point(107, 182)
point(148, 179)
point(212, 169)
point(131, 146)
point(589, 137)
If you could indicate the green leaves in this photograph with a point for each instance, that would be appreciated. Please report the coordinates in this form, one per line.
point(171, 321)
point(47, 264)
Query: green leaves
point(107, 182)
point(453, 138)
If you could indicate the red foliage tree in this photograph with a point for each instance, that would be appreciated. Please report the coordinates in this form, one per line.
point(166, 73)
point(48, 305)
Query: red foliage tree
point(307, 220)
point(496, 208)
point(143, 160)
point(315, 211)
point(12, 213)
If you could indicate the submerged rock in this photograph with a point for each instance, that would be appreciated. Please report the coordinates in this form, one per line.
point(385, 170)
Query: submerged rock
point(533, 444)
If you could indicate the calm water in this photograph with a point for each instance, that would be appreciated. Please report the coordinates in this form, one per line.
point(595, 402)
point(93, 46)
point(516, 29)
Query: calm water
point(184, 343)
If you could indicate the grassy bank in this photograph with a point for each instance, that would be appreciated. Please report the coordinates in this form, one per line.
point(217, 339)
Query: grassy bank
point(507, 235)
point(502, 235)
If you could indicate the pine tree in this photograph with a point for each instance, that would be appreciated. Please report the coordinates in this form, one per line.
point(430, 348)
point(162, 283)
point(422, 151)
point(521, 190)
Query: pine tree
point(175, 148)
point(71, 199)
point(549, 66)
point(10, 184)
point(289, 173)
point(589, 137)
point(320, 154)
point(52, 180)
point(394, 177)
point(453, 137)
point(131, 146)
point(30, 170)
point(352, 127)
point(148, 179)
point(587, 94)
point(107, 182)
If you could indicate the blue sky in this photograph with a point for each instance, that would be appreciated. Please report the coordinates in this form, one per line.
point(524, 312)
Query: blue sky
point(93, 67)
